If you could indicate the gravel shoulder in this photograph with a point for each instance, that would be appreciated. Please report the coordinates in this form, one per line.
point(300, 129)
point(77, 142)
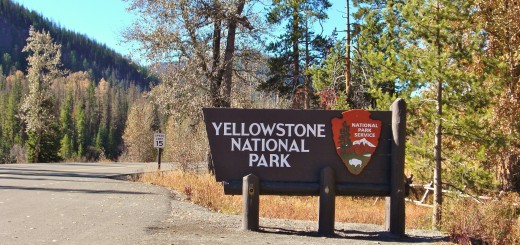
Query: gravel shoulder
point(193, 224)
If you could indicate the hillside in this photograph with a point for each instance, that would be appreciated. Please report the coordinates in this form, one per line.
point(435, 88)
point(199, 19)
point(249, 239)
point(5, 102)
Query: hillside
point(79, 53)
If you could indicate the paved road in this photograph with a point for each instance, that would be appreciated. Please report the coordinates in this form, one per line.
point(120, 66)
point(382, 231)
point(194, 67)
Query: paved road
point(76, 203)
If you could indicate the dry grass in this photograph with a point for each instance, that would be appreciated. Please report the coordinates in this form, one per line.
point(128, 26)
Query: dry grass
point(203, 190)
point(493, 222)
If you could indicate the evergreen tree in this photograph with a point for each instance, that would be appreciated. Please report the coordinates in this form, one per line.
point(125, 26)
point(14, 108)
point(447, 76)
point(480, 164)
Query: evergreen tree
point(39, 106)
point(101, 140)
point(296, 48)
point(67, 127)
point(66, 149)
point(447, 44)
point(81, 130)
point(379, 62)
point(12, 122)
point(48, 144)
point(103, 109)
point(423, 53)
point(111, 144)
point(6, 63)
point(92, 119)
point(328, 80)
point(3, 140)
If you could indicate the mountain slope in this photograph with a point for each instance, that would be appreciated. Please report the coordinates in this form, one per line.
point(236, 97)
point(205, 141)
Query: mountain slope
point(79, 53)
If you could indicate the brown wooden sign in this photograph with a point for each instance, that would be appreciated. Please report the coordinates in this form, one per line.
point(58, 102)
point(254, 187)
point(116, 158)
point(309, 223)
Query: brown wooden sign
point(310, 152)
point(294, 145)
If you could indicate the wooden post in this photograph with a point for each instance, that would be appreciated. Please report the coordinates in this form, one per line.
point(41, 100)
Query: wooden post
point(327, 201)
point(250, 202)
point(159, 159)
point(395, 203)
point(159, 144)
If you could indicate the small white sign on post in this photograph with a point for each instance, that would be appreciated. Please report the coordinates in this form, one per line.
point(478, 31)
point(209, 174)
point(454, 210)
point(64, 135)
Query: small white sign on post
point(159, 140)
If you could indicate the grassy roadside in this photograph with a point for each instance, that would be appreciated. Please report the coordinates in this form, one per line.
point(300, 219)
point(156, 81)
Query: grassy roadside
point(203, 190)
point(467, 222)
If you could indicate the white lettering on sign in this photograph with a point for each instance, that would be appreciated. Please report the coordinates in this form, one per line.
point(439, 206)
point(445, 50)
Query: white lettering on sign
point(273, 145)
point(158, 140)
point(273, 160)
point(273, 129)
point(365, 132)
point(266, 151)
point(364, 125)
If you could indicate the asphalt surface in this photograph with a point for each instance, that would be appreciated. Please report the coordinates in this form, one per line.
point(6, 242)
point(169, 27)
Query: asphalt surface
point(79, 203)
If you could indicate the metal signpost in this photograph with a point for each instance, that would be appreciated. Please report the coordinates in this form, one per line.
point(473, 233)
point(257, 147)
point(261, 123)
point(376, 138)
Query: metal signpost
point(159, 142)
point(310, 152)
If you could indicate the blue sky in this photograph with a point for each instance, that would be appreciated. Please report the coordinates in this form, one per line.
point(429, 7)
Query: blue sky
point(104, 20)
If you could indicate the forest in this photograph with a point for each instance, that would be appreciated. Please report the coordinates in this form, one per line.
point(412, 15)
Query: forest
point(79, 53)
point(91, 94)
point(456, 63)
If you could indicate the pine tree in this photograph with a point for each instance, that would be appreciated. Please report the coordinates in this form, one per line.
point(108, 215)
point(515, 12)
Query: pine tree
point(103, 97)
point(39, 106)
point(67, 127)
point(81, 130)
point(296, 48)
point(92, 119)
point(447, 40)
point(423, 53)
point(380, 65)
point(3, 102)
point(101, 140)
point(66, 149)
point(328, 80)
point(12, 122)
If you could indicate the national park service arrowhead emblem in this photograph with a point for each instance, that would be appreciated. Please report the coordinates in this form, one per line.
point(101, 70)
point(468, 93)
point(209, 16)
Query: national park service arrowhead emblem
point(356, 137)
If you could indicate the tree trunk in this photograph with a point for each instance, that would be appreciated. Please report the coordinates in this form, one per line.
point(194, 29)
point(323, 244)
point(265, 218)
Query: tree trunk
point(224, 77)
point(307, 86)
point(296, 48)
point(37, 147)
point(347, 57)
point(437, 181)
point(229, 53)
point(216, 79)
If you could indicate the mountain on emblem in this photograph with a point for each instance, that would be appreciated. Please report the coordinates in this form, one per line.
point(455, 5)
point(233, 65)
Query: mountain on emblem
point(356, 137)
point(363, 141)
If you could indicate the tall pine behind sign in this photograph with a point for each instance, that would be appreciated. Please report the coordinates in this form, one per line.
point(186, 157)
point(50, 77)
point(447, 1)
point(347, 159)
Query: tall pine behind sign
point(424, 52)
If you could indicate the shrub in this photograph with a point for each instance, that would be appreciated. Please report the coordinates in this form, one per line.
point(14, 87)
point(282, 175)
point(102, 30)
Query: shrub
point(494, 222)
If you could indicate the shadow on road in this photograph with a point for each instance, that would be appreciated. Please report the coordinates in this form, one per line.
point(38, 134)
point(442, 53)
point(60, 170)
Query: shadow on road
point(373, 236)
point(73, 190)
point(96, 179)
point(56, 173)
